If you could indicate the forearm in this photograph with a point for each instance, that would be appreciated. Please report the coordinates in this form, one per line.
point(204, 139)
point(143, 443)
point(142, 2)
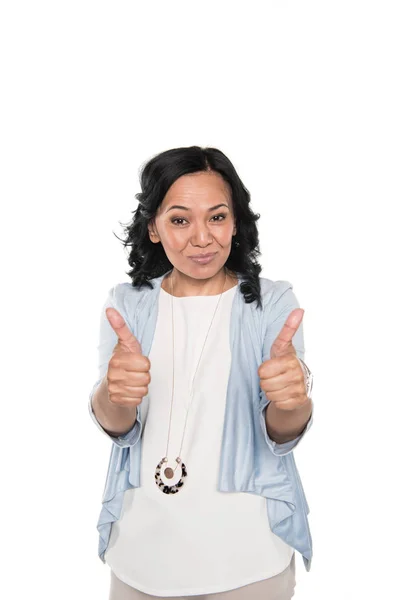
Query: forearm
point(116, 420)
point(285, 425)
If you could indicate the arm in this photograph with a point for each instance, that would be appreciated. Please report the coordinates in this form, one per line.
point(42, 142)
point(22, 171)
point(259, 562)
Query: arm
point(283, 430)
point(115, 420)
point(284, 426)
point(120, 424)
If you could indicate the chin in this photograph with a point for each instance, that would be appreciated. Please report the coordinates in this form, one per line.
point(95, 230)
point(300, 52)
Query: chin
point(203, 271)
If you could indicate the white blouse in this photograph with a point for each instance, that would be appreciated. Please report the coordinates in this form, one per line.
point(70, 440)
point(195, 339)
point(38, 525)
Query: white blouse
point(199, 540)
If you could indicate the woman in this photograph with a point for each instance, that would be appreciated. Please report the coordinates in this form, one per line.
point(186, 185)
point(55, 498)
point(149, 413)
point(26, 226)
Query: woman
point(202, 496)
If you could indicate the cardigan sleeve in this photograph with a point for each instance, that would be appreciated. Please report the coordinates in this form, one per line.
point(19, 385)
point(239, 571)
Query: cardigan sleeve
point(279, 303)
point(107, 341)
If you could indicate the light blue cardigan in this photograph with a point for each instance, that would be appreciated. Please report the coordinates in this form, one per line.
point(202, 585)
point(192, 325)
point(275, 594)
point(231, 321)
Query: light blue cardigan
point(250, 461)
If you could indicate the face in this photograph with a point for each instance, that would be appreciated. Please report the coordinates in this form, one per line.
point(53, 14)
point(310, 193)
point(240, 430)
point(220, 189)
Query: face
point(203, 223)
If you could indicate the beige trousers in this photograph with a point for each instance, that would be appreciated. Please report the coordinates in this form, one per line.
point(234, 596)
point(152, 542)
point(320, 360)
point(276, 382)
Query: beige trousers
point(280, 587)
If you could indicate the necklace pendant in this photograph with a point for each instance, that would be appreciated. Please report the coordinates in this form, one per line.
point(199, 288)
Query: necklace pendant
point(169, 473)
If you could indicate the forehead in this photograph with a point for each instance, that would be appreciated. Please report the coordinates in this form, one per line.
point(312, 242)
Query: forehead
point(201, 189)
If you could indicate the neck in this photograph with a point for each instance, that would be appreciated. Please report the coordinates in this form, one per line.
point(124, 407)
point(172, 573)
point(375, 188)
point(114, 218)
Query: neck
point(183, 285)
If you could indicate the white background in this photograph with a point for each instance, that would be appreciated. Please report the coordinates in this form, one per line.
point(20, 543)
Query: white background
point(303, 97)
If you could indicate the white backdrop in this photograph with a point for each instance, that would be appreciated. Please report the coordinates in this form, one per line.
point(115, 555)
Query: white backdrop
point(303, 97)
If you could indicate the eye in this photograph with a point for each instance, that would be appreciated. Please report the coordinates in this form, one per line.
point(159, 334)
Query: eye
point(182, 219)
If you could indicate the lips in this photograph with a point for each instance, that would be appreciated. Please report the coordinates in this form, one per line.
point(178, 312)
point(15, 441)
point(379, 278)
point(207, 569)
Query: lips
point(204, 259)
point(202, 255)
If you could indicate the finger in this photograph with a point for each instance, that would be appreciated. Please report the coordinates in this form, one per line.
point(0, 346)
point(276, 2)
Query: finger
point(123, 379)
point(277, 366)
point(126, 400)
point(125, 362)
point(274, 384)
point(285, 336)
point(125, 336)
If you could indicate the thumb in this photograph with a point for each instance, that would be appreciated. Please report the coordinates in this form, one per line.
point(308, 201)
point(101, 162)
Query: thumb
point(283, 343)
point(125, 336)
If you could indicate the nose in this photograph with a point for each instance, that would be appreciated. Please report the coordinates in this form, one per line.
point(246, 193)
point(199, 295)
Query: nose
point(201, 237)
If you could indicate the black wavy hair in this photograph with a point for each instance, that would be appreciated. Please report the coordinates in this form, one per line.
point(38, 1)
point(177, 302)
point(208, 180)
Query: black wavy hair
point(149, 260)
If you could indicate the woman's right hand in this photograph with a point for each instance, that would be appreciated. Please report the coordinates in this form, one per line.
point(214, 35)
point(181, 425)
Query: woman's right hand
point(128, 373)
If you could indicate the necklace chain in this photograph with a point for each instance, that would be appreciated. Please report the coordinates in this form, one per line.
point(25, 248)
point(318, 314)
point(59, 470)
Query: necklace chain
point(173, 363)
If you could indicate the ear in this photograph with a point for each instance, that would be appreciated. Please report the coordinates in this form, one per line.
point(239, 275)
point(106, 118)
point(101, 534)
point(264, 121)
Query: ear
point(152, 232)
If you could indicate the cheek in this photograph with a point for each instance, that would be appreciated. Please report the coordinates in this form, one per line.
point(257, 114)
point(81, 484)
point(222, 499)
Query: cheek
point(226, 238)
point(172, 237)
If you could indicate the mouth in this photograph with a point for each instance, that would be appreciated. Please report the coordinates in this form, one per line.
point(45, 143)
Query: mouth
point(203, 258)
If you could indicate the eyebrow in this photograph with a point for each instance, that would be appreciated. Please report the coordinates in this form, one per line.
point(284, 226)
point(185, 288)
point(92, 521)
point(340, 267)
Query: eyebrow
point(186, 208)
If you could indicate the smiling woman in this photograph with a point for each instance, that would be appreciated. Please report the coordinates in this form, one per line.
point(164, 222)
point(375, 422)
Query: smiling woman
point(193, 204)
point(199, 498)
point(202, 239)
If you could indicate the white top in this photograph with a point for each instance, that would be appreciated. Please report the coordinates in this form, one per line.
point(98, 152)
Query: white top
point(199, 540)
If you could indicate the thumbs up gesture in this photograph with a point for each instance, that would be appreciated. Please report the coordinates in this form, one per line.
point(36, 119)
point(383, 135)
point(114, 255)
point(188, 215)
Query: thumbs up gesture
point(128, 373)
point(282, 377)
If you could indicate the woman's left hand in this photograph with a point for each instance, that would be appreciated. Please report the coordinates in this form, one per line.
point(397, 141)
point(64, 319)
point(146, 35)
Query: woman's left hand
point(282, 377)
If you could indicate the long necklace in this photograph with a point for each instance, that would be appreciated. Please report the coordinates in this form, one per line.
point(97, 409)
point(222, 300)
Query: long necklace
point(169, 472)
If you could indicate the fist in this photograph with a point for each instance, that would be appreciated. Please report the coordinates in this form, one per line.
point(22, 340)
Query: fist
point(282, 377)
point(128, 373)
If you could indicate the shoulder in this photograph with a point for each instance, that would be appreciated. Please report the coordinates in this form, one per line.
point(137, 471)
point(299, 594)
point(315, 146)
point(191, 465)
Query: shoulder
point(274, 291)
point(125, 298)
point(278, 299)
